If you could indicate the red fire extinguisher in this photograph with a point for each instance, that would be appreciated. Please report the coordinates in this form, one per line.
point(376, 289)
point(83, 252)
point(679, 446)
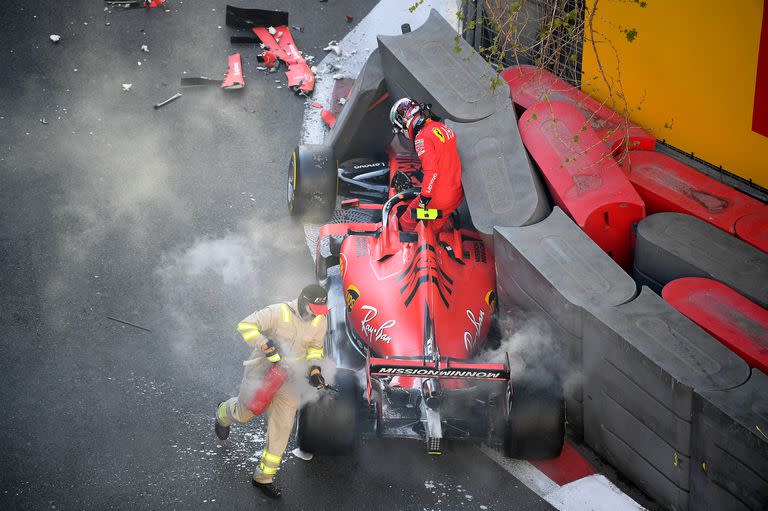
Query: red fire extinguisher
point(272, 382)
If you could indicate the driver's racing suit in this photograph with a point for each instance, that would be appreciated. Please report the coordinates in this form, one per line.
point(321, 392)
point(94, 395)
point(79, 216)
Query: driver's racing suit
point(436, 147)
point(300, 344)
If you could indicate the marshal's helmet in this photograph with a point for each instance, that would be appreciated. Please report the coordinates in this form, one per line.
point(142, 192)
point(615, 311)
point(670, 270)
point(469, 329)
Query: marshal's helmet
point(407, 117)
point(316, 298)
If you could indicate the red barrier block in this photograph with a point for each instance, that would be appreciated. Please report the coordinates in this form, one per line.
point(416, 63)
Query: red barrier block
point(737, 322)
point(667, 185)
point(753, 229)
point(584, 181)
point(529, 85)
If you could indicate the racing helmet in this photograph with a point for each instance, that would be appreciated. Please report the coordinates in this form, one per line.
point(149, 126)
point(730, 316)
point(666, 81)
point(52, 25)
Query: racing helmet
point(316, 298)
point(407, 117)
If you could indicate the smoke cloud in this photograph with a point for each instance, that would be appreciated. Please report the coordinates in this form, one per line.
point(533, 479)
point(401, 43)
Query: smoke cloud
point(535, 354)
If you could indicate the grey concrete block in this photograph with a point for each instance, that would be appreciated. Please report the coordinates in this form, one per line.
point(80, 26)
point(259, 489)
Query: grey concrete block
point(424, 65)
point(729, 460)
point(362, 130)
point(554, 271)
point(642, 361)
point(500, 184)
point(673, 245)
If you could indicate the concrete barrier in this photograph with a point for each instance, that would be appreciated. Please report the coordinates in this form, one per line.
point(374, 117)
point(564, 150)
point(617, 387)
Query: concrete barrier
point(368, 105)
point(555, 272)
point(500, 184)
point(642, 361)
point(729, 460)
point(670, 246)
point(425, 65)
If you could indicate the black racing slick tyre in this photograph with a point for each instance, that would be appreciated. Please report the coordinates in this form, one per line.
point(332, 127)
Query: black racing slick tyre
point(312, 176)
point(330, 424)
point(535, 428)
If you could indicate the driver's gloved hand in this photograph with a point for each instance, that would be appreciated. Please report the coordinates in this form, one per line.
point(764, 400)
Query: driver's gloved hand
point(401, 181)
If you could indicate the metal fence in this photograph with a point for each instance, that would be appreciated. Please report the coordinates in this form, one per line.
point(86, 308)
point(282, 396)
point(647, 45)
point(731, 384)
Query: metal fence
point(546, 33)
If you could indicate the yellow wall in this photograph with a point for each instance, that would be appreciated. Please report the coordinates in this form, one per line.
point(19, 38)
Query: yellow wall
point(692, 67)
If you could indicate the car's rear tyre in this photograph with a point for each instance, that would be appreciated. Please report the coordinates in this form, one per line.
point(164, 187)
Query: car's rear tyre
point(312, 176)
point(535, 426)
point(330, 424)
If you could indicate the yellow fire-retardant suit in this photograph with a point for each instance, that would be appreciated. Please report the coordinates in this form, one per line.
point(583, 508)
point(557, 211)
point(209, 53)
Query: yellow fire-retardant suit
point(299, 343)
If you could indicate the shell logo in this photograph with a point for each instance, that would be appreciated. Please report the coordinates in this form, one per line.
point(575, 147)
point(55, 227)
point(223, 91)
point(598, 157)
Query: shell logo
point(490, 299)
point(351, 296)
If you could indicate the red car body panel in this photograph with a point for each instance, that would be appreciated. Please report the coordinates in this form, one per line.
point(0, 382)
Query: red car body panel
point(394, 288)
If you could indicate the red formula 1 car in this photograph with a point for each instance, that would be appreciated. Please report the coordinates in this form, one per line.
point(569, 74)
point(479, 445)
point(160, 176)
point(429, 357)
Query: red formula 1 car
point(412, 320)
point(413, 328)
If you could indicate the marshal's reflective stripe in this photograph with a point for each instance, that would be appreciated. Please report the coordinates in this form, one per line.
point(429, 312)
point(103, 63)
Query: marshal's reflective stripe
point(274, 358)
point(250, 335)
point(266, 469)
point(246, 327)
point(248, 330)
point(286, 312)
point(314, 353)
point(317, 320)
point(271, 457)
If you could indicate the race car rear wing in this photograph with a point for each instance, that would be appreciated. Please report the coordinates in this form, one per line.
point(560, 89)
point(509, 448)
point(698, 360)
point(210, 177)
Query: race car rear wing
point(445, 368)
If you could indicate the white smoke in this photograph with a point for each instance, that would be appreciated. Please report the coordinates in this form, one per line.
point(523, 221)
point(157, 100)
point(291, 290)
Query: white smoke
point(534, 353)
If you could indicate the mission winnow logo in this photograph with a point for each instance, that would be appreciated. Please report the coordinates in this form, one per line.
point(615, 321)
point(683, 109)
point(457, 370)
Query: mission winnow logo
point(437, 373)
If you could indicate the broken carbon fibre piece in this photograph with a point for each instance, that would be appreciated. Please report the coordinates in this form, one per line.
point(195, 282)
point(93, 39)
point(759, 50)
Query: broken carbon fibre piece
point(274, 34)
point(233, 80)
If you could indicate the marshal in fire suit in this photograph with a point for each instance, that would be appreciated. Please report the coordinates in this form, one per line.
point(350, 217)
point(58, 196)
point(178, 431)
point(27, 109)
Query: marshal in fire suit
point(435, 145)
point(289, 333)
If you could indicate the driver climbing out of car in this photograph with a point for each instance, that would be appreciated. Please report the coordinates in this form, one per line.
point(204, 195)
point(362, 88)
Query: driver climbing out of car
point(435, 144)
point(287, 338)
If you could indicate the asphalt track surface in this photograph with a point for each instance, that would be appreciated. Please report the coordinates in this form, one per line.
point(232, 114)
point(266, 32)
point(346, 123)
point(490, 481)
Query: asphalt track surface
point(132, 240)
point(173, 220)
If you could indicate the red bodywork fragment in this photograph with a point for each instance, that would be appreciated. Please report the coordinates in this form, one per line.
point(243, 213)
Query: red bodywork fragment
point(299, 75)
point(267, 58)
point(328, 117)
point(234, 77)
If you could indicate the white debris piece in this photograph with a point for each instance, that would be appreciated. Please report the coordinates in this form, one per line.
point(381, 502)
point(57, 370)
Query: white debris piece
point(127, 87)
point(342, 101)
point(145, 48)
point(43, 121)
point(261, 68)
point(138, 62)
point(334, 47)
point(280, 34)
point(306, 456)
point(338, 76)
point(313, 69)
point(279, 87)
point(309, 58)
point(272, 30)
point(55, 38)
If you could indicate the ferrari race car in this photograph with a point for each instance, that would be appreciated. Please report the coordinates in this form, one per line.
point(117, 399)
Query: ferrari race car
point(413, 326)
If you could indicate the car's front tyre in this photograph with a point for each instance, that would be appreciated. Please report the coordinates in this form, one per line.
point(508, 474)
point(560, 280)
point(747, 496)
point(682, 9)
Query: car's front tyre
point(312, 182)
